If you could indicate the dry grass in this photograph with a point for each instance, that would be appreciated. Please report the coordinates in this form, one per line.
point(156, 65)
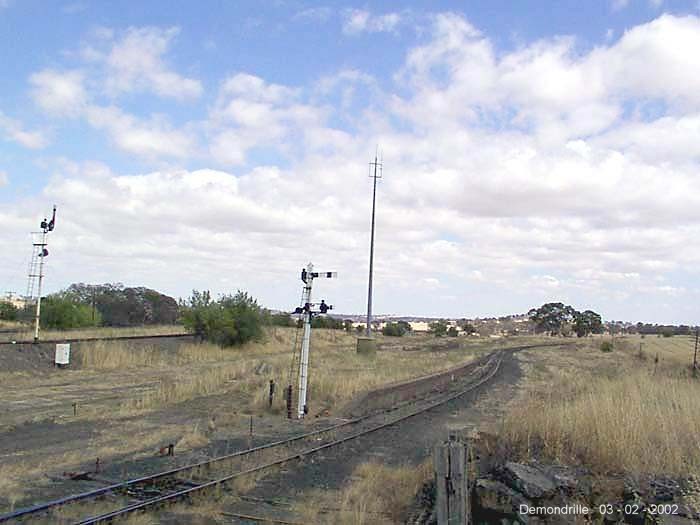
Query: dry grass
point(111, 355)
point(612, 412)
point(193, 438)
point(337, 372)
point(377, 494)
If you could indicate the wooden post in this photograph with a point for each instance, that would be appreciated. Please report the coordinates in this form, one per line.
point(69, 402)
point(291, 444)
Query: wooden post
point(452, 482)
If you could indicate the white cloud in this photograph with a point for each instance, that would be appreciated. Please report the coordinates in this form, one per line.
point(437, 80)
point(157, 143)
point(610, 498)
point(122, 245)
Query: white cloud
point(251, 112)
point(357, 21)
point(148, 138)
point(61, 93)
point(14, 131)
point(135, 62)
point(315, 14)
point(4, 179)
point(618, 5)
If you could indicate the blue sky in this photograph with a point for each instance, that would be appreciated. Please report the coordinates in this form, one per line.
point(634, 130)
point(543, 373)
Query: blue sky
point(534, 150)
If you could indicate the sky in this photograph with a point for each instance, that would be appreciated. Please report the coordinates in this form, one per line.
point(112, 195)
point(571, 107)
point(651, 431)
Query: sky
point(532, 151)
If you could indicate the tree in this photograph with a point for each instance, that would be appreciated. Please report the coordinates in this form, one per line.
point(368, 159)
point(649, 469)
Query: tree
point(8, 311)
point(587, 322)
point(360, 328)
point(550, 317)
point(347, 324)
point(438, 328)
point(121, 306)
point(452, 331)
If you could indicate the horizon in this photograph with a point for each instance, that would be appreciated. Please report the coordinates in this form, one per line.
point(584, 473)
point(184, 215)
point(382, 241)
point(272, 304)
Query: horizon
point(527, 158)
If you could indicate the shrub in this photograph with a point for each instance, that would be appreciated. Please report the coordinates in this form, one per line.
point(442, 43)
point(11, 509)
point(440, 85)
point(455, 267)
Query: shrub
point(8, 311)
point(393, 330)
point(438, 328)
point(230, 321)
point(452, 331)
point(606, 346)
point(281, 319)
point(61, 312)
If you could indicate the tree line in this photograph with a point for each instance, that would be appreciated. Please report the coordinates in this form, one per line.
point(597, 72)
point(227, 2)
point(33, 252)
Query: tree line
point(558, 318)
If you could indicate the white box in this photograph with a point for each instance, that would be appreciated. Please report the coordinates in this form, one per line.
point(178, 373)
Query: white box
point(62, 353)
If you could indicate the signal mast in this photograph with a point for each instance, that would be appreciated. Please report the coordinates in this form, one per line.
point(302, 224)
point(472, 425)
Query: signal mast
point(36, 266)
point(306, 310)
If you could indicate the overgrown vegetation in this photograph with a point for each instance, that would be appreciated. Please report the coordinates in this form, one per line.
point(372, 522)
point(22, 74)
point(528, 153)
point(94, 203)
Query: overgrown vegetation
point(229, 321)
point(397, 329)
point(61, 311)
point(612, 411)
point(438, 328)
point(8, 311)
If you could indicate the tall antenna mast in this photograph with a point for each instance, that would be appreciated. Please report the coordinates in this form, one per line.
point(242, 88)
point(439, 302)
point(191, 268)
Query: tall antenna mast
point(36, 267)
point(375, 173)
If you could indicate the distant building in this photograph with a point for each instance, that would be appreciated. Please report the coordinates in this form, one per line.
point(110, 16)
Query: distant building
point(14, 299)
point(419, 326)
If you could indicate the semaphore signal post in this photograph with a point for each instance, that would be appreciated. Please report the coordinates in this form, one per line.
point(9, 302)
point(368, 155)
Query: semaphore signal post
point(36, 267)
point(307, 311)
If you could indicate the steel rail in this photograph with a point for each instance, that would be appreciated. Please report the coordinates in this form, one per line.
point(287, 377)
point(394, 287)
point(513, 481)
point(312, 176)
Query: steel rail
point(154, 502)
point(89, 339)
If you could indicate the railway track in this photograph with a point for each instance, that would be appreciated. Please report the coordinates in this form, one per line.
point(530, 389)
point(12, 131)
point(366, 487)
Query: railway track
point(152, 491)
point(14, 342)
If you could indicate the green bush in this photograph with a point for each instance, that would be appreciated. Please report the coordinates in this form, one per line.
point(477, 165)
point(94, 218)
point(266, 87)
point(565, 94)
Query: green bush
point(281, 319)
point(232, 320)
point(8, 311)
point(324, 321)
point(393, 330)
point(60, 312)
point(606, 346)
point(452, 331)
point(438, 328)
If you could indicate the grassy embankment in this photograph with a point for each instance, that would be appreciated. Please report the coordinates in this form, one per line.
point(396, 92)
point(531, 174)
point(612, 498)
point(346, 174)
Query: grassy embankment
point(634, 409)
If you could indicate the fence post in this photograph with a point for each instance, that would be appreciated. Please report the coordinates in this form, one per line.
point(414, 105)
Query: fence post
point(452, 482)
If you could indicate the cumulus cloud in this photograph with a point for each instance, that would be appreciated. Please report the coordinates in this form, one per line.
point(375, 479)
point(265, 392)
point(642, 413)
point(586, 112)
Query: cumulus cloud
point(249, 112)
point(356, 21)
point(60, 93)
point(135, 62)
point(148, 138)
point(14, 131)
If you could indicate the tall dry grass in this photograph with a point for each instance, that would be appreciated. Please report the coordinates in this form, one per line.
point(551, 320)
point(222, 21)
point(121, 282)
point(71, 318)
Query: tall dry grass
point(636, 421)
